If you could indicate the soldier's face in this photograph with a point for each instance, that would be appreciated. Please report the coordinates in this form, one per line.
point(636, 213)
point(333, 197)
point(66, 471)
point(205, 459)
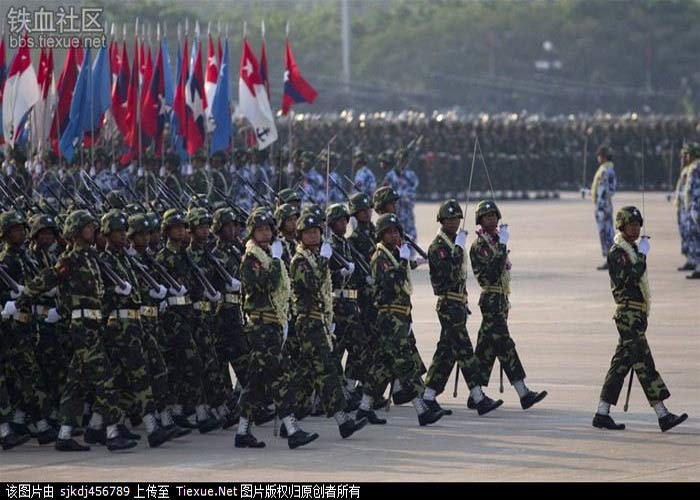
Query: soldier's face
point(177, 233)
point(311, 237)
point(340, 226)
point(201, 232)
point(118, 238)
point(631, 230)
point(364, 215)
point(226, 233)
point(17, 235)
point(45, 238)
point(489, 222)
point(451, 226)
point(154, 239)
point(391, 237)
point(685, 160)
point(140, 240)
point(290, 224)
point(88, 233)
point(263, 235)
point(390, 207)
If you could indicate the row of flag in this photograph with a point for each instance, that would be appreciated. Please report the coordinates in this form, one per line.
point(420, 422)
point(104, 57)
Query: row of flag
point(138, 99)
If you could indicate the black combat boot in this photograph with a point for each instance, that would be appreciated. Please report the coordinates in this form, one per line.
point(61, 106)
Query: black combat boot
point(606, 422)
point(95, 436)
point(670, 421)
point(70, 445)
point(435, 407)
point(531, 398)
point(208, 425)
point(429, 417)
point(248, 441)
point(120, 443)
point(159, 436)
point(350, 426)
point(124, 431)
point(371, 417)
point(300, 438)
point(487, 404)
point(13, 439)
point(47, 436)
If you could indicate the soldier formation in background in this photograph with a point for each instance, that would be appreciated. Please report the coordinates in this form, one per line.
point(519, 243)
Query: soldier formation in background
point(135, 292)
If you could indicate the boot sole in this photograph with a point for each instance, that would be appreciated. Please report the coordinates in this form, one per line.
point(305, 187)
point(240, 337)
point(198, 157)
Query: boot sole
point(680, 420)
point(619, 427)
point(23, 439)
point(312, 437)
point(489, 409)
point(539, 398)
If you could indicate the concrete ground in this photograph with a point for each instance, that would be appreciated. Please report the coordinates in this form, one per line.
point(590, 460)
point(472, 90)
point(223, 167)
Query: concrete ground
point(561, 322)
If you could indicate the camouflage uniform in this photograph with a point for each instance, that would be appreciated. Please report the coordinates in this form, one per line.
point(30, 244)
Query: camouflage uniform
point(692, 208)
point(681, 213)
point(603, 189)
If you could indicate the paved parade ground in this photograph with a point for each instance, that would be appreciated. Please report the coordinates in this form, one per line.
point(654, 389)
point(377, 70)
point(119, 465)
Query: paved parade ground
point(561, 321)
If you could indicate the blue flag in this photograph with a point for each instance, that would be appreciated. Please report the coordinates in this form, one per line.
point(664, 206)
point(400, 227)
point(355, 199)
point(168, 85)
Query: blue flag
point(167, 75)
point(78, 107)
point(177, 142)
point(221, 109)
point(100, 96)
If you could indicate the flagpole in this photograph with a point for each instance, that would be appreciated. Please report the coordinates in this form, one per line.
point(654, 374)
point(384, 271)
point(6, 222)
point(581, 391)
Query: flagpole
point(138, 99)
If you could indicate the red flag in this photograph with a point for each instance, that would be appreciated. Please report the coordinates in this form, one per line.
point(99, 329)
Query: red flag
point(180, 91)
point(154, 104)
point(131, 138)
point(212, 74)
point(66, 85)
point(195, 104)
point(296, 89)
point(114, 60)
point(120, 93)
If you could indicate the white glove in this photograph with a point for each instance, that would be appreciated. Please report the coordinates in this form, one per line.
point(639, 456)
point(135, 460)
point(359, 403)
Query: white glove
point(234, 286)
point(276, 249)
point(461, 239)
point(369, 280)
point(181, 292)
point(285, 331)
point(15, 295)
point(51, 293)
point(9, 310)
point(52, 316)
point(163, 304)
point(326, 250)
point(353, 222)
point(347, 271)
point(644, 245)
point(503, 235)
point(405, 252)
point(332, 328)
point(213, 298)
point(158, 294)
point(123, 291)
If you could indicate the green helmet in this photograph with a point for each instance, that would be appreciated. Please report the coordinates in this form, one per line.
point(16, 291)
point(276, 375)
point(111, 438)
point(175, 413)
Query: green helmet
point(316, 211)
point(113, 220)
point(132, 209)
point(139, 223)
point(308, 157)
point(260, 217)
point(221, 217)
point(693, 150)
point(199, 201)
point(42, 221)
point(384, 195)
point(450, 209)
point(289, 195)
point(197, 216)
point(358, 201)
point(9, 219)
point(116, 200)
point(335, 212)
point(75, 222)
point(284, 212)
point(626, 215)
point(308, 220)
point(386, 156)
point(154, 220)
point(172, 217)
point(385, 222)
point(484, 207)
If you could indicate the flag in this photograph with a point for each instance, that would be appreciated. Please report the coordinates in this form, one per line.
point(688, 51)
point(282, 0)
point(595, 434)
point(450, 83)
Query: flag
point(167, 74)
point(296, 89)
point(114, 60)
point(99, 96)
point(3, 77)
point(264, 75)
point(20, 94)
point(120, 92)
point(210, 81)
point(195, 103)
point(131, 138)
point(252, 99)
point(221, 109)
point(155, 107)
point(78, 111)
point(64, 94)
point(178, 103)
point(41, 114)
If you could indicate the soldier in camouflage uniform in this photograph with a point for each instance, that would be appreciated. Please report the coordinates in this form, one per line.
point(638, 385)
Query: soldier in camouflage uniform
point(25, 386)
point(182, 354)
point(265, 285)
point(291, 196)
point(692, 207)
point(286, 217)
point(491, 266)
point(627, 266)
point(79, 280)
point(448, 260)
point(394, 359)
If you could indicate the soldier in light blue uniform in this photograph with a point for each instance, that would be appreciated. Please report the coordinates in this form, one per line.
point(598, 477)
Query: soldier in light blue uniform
point(365, 180)
point(681, 213)
point(314, 183)
point(602, 190)
point(239, 189)
point(408, 187)
point(335, 195)
point(692, 207)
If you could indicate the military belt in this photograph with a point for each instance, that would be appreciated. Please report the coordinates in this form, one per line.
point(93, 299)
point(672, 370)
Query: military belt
point(492, 289)
point(459, 297)
point(265, 317)
point(41, 310)
point(20, 317)
point(347, 293)
point(149, 311)
point(395, 308)
point(95, 314)
point(631, 304)
point(124, 314)
point(311, 315)
point(232, 298)
point(179, 301)
point(202, 305)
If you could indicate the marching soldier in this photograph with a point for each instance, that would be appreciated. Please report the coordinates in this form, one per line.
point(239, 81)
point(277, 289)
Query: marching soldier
point(602, 190)
point(692, 207)
point(408, 188)
point(286, 217)
point(627, 266)
point(681, 214)
point(491, 266)
point(365, 181)
point(448, 260)
point(291, 196)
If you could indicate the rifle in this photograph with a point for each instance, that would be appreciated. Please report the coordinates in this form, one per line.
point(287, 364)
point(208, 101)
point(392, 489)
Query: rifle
point(137, 265)
point(9, 280)
point(201, 277)
point(172, 282)
point(256, 194)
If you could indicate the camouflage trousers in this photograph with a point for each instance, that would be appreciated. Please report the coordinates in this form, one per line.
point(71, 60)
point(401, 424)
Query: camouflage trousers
point(157, 368)
point(683, 231)
point(454, 346)
point(216, 392)
point(182, 357)
point(350, 336)
point(604, 223)
point(268, 370)
point(368, 325)
point(52, 356)
point(394, 358)
point(5, 403)
point(231, 346)
point(694, 242)
point(494, 341)
point(633, 352)
point(89, 373)
point(320, 368)
point(25, 386)
point(124, 343)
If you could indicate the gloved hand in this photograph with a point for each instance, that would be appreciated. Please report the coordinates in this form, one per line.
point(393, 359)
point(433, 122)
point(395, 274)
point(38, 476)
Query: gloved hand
point(285, 331)
point(503, 234)
point(276, 249)
point(644, 245)
point(369, 280)
point(163, 304)
point(159, 293)
point(353, 222)
point(52, 316)
point(9, 310)
point(51, 293)
point(332, 328)
point(213, 298)
point(405, 252)
point(15, 295)
point(326, 250)
point(234, 286)
point(126, 290)
point(347, 271)
point(178, 292)
point(461, 239)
